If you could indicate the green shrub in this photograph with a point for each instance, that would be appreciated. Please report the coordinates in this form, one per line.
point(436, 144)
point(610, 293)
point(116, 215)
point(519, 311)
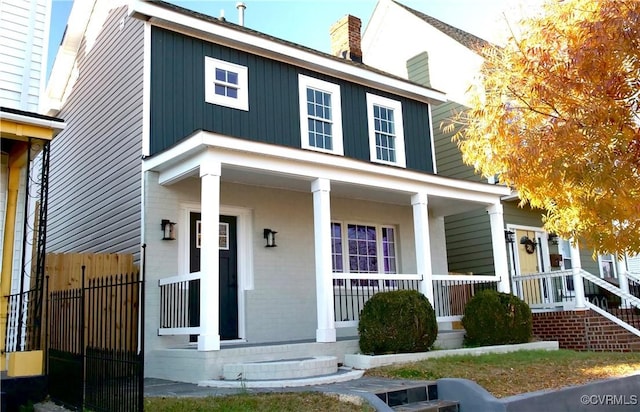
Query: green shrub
point(494, 318)
point(401, 321)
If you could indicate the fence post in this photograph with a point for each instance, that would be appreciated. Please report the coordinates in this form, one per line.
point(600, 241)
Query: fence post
point(141, 291)
point(82, 326)
point(45, 339)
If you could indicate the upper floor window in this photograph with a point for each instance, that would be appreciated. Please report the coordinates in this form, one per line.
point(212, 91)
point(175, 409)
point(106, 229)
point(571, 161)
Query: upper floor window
point(320, 115)
point(386, 133)
point(226, 84)
point(607, 266)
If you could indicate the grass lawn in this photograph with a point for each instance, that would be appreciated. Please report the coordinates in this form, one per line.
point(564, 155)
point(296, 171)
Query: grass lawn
point(519, 372)
point(501, 374)
point(275, 402)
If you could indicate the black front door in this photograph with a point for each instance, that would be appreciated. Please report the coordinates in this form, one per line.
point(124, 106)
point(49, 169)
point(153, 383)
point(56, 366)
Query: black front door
point(228, 255)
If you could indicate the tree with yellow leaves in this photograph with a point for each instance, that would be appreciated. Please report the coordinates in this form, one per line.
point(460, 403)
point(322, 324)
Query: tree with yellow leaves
point(557, 118)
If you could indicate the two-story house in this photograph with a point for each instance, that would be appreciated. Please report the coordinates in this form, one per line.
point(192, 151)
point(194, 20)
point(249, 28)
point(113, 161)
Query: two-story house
point(275, 187)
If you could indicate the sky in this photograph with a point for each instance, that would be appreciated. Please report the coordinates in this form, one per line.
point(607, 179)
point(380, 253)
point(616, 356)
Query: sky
point(307, 22)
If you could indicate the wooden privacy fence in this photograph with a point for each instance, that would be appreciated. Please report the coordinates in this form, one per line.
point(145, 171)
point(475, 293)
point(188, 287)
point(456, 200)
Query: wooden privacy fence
point(65, 269)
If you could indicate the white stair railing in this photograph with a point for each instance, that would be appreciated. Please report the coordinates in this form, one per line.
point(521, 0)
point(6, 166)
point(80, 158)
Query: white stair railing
point(626, 315)
point(611, 288)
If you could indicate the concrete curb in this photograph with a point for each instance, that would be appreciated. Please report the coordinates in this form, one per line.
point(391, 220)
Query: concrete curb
point(360, 361)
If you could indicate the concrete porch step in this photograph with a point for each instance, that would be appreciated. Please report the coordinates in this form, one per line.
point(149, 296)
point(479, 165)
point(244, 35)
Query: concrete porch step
point(340, 376)
point(281, 369)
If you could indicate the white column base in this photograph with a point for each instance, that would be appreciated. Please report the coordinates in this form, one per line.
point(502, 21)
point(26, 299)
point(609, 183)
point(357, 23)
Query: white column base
point(325, 335)
point(208, 342)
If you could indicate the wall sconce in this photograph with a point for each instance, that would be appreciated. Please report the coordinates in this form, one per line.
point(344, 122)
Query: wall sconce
point(509, 236)
point(270, 236)
point(529, 245)
point(553, 238)
point(168, 232)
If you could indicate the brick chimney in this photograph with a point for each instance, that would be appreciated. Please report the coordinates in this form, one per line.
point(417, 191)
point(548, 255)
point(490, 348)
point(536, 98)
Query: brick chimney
point(345, 38)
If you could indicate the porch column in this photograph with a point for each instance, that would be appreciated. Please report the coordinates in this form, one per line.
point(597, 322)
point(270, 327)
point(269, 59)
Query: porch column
point(623, 280)
point(420, 202)
point(326, 331)
point(209, 338)
point(576, 267)
point(500, 261)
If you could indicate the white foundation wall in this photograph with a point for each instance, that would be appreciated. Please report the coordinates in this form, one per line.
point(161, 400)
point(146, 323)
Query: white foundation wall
point(281, 305)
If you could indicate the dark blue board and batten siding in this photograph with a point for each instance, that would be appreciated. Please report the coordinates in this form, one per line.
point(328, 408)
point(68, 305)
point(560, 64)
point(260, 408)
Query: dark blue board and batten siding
point(178, 107)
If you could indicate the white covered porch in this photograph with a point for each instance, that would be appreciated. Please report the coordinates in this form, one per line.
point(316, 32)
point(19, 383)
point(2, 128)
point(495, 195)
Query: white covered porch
point(333, 189)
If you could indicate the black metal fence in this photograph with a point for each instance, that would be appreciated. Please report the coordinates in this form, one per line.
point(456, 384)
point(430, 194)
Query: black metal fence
point(24, 331)
point(96, 357)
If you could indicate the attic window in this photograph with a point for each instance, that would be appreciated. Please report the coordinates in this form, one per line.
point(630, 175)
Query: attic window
point(226, 84)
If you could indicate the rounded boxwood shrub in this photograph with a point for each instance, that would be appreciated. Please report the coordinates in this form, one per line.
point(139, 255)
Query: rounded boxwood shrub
point(495, 318)
point(401, 321)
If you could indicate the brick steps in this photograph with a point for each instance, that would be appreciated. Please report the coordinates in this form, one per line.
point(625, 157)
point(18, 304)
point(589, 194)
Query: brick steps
point(584, 330)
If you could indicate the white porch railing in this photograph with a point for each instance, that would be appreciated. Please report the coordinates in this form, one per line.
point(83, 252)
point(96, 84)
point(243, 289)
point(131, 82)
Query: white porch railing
point(546, 291)
point(452, 292)
point(179, 296)
point(352, 290)
point(555, 290)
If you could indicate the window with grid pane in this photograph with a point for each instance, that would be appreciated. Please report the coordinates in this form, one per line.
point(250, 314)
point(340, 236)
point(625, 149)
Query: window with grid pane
point(386, 131)
point(320, 116)
point(226, 84)
point(360, 248)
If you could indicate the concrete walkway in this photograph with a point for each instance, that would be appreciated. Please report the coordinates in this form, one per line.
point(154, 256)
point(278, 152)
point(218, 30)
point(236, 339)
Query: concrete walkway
point(365, 387)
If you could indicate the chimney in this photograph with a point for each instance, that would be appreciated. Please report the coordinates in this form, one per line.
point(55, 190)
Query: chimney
point(241, 8)
point(345, 38)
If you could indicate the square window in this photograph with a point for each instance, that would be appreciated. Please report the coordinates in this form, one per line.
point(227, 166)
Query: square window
point(226, 84)
point(320, 116)
point(386, 131)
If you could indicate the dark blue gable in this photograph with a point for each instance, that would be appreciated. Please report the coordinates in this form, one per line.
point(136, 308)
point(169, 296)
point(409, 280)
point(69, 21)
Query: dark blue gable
point(178, 106)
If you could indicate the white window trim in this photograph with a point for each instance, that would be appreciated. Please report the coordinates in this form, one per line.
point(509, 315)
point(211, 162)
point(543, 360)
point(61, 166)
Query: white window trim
point(396, 106)
point(614, 267)
point(344, 233)
point(210, 96)
point(336, 113)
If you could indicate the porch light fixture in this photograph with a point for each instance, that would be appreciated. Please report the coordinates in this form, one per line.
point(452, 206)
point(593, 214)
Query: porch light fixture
point(509, 236)
point(168, 232)
point(270, 236)
point(553, 238)
point(529, 245)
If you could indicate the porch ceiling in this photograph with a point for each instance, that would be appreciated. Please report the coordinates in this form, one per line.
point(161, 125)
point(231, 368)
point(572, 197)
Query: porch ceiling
point(259, 164)
point(438, 206)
